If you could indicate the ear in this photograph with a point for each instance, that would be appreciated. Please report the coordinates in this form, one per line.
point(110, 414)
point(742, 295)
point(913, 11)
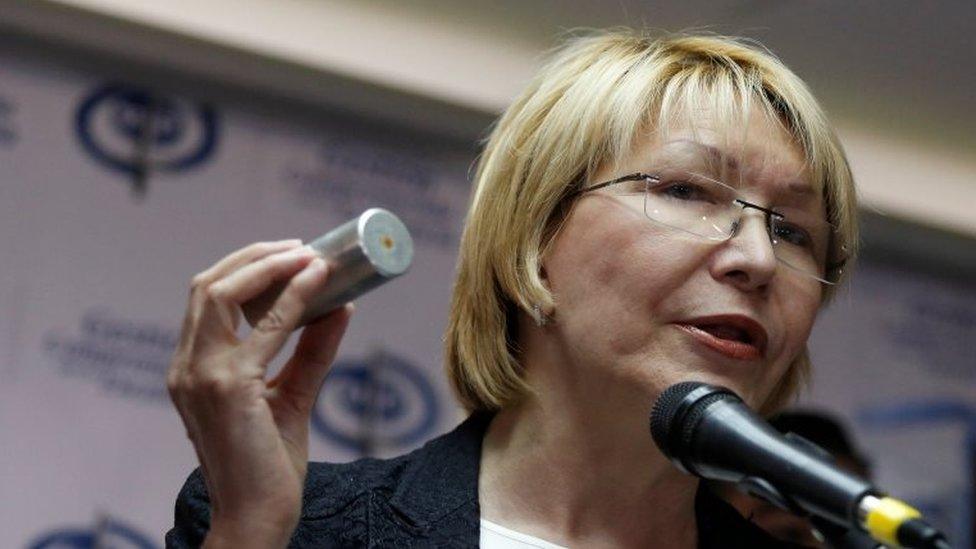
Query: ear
point(542, 314)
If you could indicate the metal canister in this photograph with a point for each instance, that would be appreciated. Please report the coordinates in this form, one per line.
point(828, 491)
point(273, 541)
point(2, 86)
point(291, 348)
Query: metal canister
point(364, 253)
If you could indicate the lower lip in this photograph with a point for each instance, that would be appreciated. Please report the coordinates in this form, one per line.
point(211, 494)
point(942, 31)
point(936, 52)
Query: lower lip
point(727, 347)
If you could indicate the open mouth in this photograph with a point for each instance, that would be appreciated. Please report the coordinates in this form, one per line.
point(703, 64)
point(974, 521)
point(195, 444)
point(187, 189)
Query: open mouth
point(735, 337)
point(724, 331)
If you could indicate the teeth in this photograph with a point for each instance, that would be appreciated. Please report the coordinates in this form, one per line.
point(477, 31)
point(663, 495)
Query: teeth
point(727, 332)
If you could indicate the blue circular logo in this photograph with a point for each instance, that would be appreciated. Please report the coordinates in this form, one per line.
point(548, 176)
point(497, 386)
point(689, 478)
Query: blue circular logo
point(134, 130)
point(381, 402)
point(109, 533)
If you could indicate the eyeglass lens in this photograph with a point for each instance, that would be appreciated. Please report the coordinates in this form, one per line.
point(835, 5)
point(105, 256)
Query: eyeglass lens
point(707, 208)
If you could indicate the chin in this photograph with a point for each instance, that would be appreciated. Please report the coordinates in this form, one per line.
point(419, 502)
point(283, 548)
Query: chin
point(736, 384)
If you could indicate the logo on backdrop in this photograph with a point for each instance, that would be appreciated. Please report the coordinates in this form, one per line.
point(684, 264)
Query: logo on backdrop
point(8, 133)
point(105, 533)
point(380, 402)
point(349, 176)
point(125, 358)
point(136, 131)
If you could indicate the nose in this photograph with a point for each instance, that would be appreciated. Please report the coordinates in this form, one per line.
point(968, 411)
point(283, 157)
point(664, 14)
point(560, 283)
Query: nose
point(746, 260)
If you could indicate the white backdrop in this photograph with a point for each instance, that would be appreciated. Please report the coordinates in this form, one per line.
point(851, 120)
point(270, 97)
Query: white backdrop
point(95, 271)
point(95, 277)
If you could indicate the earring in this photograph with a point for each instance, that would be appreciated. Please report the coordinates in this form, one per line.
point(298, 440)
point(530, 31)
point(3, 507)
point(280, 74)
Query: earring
point(541, 318)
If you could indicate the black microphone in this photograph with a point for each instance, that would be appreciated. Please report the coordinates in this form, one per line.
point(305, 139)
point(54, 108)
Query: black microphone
point(709, 432)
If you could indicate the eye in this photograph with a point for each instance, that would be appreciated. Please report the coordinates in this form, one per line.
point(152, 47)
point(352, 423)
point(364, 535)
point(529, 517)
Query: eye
point(685, 191)
point(792, 234)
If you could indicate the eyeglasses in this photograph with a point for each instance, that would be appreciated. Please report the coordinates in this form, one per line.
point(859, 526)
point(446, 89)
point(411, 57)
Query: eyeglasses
point(709, 209)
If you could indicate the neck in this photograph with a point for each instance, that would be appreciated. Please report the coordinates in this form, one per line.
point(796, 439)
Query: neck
point(565, 467)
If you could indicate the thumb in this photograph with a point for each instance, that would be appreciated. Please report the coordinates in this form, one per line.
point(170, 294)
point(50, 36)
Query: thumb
point(301, 378)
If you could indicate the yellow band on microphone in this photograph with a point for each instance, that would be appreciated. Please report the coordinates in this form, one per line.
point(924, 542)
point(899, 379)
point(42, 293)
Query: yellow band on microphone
point(884, 519)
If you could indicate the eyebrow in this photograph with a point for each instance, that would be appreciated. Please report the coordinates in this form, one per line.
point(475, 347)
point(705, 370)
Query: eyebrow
point(717, 155)
point(800, 188)
point(711, 152)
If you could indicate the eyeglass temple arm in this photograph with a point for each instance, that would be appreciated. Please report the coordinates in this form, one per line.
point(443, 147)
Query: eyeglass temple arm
point(636, 176)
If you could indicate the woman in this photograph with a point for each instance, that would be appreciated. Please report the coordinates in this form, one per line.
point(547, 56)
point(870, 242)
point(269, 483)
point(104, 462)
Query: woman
point(646, 212)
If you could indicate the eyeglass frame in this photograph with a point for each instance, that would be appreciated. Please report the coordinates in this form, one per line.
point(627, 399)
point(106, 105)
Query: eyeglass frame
point(829, 267)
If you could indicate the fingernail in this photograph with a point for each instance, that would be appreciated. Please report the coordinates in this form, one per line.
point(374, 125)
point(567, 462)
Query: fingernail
point(318, 264)
point(292, 241)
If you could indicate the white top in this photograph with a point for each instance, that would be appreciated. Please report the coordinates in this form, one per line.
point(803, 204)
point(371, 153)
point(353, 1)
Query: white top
point(496, 536)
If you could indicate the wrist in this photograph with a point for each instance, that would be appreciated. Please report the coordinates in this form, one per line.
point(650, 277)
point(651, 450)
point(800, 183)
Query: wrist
point(245, 534)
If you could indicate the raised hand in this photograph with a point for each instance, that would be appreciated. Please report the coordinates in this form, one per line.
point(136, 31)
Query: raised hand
point(251, 433)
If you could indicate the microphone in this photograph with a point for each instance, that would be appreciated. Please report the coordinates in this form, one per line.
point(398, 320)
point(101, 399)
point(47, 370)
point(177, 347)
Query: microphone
point(709, 432)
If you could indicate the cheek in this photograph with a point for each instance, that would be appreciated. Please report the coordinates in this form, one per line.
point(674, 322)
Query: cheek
point(798, 311)
point(588, 264)
point(629, 269)
point(611, 286)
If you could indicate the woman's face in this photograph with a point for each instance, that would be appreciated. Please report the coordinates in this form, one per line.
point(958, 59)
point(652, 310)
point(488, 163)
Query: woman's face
point(640, 306)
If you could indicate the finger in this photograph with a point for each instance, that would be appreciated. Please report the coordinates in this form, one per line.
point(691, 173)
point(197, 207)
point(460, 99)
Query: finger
point(220, 313)
point(253, 279)
point(243, 256)
point(201, 282)
point(271, 332)
point(302, 376)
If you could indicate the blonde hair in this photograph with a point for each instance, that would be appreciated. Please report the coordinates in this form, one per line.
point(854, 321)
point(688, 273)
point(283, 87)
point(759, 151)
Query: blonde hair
point(585, 109)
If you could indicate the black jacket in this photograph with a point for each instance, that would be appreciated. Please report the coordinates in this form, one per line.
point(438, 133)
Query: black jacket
point(427, 498)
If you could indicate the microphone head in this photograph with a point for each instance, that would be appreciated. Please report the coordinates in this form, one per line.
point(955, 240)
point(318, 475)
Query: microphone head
point(676, 413)
point(709, 432)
